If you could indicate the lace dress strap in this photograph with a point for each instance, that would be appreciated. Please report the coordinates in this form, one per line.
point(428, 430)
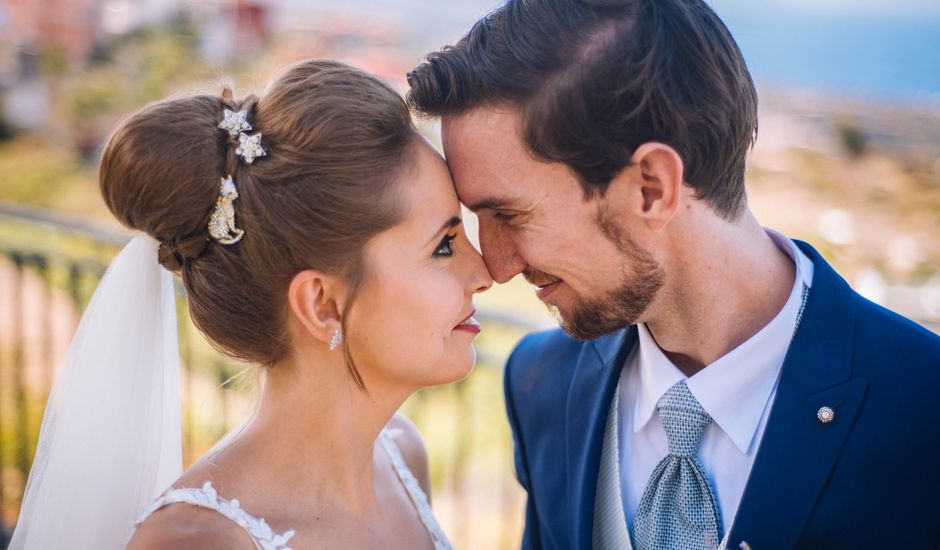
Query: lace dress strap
point(418, 498)
point(207, 497)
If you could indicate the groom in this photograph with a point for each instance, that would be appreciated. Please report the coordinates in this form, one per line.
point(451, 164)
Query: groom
point(716, 383)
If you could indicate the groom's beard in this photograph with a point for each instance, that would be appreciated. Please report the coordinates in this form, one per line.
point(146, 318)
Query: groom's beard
point(623, 306)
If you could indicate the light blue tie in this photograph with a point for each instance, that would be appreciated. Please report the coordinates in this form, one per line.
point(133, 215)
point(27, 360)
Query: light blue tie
point(610, 523)
point(678, 510)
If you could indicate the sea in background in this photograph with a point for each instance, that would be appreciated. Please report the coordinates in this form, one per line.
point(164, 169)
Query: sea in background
point(884, 59)
point(852, 49)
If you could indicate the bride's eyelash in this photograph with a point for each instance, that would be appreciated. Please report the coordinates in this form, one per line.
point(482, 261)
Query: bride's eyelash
point(445, 247)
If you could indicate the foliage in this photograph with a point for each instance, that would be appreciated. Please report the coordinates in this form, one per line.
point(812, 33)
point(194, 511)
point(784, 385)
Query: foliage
point(38, 174)
point(7, 132)
point(99, 93)
point(854, 140)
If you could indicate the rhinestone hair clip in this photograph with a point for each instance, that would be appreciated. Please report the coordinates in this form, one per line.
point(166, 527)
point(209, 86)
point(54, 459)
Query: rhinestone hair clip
point(222, 222)
point(249, 145)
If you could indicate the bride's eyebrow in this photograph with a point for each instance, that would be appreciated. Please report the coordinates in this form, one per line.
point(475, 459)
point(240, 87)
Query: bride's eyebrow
point(451, 223)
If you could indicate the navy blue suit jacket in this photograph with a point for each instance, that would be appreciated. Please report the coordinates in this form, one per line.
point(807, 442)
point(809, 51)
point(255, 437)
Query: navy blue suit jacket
point(869, 479)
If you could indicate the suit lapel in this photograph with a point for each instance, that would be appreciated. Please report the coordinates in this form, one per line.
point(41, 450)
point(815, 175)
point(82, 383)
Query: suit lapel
point(797, 452)
point(592, 389)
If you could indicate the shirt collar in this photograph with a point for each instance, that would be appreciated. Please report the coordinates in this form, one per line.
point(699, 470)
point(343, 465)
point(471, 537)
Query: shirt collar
point(804, 266)
point(736, 388)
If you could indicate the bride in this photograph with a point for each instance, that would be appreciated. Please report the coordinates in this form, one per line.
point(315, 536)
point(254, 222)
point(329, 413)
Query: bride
point(319, 237)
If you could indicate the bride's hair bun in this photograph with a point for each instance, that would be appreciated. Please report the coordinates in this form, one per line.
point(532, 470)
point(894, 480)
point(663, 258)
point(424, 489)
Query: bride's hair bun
point(161, 169)
point(337, 140)
point(175, 256)
point(159, 173)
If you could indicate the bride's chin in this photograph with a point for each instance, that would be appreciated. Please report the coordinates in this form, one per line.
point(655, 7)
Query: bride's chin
point(469, 363)
point(459, 369)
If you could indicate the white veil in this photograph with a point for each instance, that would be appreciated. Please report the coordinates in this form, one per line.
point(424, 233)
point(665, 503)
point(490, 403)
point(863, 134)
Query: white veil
point(111, 439)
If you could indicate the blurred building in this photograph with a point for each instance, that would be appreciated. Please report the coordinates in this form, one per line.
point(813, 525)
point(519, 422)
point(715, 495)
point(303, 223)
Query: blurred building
point(368, 41)
point(43, 37)
point(229, 30)
point(36, 32)
point(67, 27)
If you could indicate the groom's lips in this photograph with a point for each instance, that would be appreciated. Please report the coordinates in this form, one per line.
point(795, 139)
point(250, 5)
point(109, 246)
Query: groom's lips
point(545, 290)
point(544, 283)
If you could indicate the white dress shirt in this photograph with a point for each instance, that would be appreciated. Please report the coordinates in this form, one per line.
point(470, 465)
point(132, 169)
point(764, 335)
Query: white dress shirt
point(737, 391)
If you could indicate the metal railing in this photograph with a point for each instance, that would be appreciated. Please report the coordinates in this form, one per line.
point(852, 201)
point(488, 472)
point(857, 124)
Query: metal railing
point(49, 266)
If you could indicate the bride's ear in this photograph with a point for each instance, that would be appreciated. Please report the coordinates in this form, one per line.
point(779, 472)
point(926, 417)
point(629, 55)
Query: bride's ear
point(316, 300)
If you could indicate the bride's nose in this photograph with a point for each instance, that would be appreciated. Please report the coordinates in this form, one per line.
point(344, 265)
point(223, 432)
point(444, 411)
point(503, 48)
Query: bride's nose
point(479, 278)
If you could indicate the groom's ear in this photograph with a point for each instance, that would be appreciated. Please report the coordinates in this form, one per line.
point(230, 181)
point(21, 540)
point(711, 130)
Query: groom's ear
point(652, 186)
point(316, 300)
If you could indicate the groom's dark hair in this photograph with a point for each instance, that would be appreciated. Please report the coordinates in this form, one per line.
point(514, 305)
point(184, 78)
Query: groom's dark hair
point(595, 79)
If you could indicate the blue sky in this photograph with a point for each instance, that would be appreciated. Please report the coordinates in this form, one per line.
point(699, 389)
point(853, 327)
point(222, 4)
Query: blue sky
point(899, 9)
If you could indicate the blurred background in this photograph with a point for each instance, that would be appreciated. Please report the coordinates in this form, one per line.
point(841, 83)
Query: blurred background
point(848, 158)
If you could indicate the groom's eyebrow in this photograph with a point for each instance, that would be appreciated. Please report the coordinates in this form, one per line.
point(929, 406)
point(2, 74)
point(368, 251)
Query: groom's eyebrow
point(449, 224)
point(491, 203)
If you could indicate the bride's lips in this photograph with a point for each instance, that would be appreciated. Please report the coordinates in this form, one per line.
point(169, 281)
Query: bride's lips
point(469, 324)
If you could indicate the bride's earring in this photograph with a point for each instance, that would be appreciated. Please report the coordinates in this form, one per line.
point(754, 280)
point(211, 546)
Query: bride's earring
point(336, 340)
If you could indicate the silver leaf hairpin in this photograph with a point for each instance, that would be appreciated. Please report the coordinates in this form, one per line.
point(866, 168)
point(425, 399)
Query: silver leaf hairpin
point(249, 147)
point(235, 122)
point(222, 222)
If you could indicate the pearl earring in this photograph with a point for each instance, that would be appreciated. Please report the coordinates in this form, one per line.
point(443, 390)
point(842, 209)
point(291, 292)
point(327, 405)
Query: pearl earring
point(337, 339)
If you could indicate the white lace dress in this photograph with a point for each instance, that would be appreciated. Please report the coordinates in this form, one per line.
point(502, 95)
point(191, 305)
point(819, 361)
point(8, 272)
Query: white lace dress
point(261, 533)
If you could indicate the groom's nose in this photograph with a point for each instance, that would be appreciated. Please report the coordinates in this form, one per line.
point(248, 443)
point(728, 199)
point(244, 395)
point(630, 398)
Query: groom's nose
point(499, 251)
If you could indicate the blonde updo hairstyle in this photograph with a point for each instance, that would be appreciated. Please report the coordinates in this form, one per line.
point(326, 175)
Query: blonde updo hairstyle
point(337, 139)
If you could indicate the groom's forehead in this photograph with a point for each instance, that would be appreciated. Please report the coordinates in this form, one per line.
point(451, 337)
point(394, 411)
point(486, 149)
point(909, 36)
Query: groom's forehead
point(488, 159)
point(482, 189)
point(484, 149)
point(480, 126)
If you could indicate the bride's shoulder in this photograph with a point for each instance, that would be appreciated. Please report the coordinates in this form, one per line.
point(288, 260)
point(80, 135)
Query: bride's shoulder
point(183, 525)
point(410, 444)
